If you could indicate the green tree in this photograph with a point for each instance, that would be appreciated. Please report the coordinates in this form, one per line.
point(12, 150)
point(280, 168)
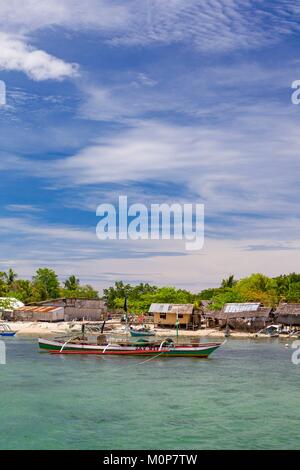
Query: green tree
point(3, 285)
point(47, 284)
point(293, 293)
point(10, 277)
point(258, 288)
point(25, 291)
point(72, 283)
point(229, 282)
point(141, 296)
point(223, 298)
point(82, 292)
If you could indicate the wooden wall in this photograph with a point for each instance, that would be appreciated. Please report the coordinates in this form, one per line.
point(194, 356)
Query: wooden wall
point(170, 319)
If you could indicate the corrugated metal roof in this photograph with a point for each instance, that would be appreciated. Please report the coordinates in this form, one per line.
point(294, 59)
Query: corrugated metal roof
point(221, 315)
point(159, 308)
point(37, 309)
point(241, 307)
point(172, 308)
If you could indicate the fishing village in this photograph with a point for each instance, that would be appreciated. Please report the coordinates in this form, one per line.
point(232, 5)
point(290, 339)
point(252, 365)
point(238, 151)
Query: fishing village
point(149, 231)
point(102, 363)
point(111, 325)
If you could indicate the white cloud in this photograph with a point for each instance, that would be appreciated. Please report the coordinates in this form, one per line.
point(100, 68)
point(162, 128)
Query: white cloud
point(244, 170)
point(16, 55)
point(217, 25)
point(214, 25)
point(27, 16)
point(101, 263)
point(23, 208)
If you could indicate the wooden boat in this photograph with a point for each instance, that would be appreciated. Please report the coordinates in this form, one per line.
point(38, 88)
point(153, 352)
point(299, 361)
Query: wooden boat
point(165, 348)
point(141, 332)
point(272, 331)
point(5, 330)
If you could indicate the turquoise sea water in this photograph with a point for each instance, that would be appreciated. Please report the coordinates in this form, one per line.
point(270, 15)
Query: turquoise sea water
point(245, 396)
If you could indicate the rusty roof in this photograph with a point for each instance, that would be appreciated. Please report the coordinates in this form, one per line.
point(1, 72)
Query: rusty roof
point(37, 309)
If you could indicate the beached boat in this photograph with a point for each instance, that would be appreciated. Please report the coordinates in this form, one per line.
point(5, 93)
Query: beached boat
point(165, 348)
point(141, 332)
point(272, 331)
point(5, 330)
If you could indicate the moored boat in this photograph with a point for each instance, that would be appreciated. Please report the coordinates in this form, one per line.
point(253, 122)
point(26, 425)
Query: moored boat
point(5, 330)
point(165, 348)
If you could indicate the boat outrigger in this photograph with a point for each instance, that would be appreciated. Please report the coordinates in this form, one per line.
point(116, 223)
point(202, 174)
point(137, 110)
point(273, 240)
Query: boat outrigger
point(165, 348)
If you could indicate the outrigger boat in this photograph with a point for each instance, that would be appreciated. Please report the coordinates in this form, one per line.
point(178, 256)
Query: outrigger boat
point(165, 348)
point(5, 330)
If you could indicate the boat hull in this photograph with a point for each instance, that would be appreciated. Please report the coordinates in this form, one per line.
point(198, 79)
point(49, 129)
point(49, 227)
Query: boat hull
point(8, 333)
point(141, 333)
point(58, 347)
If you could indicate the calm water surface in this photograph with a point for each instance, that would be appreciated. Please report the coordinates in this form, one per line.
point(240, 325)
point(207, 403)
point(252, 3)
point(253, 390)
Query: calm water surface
point(246, 396)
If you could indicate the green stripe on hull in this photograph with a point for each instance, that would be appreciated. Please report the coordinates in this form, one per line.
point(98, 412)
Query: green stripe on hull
point(171, 353)
point(203, 353)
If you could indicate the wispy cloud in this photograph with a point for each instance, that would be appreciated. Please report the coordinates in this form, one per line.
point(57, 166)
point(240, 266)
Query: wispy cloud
point(16, 55)
point(23, 208)
point(186, 123)
point(254, 157)
point(214, 25)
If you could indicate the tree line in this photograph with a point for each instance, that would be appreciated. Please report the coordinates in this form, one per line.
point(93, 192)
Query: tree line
point(45, 285)
point(254, 288)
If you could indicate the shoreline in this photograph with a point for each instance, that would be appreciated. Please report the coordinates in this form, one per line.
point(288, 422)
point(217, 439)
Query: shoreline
point(47, 329)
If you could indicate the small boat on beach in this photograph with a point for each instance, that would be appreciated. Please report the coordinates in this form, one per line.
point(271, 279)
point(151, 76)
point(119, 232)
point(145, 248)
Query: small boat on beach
point(272, 331)
point(135, 332)
point(165, 348)
point(5, 330)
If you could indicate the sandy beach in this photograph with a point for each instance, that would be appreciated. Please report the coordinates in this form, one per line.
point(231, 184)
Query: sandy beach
point(47, 329)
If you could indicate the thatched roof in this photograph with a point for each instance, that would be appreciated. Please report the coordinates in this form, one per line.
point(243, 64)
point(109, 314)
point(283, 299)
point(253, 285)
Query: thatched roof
point(288, 314)
point(291, 309)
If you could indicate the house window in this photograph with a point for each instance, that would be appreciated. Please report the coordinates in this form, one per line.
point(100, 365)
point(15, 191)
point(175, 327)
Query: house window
point(180, 316)
point(162, 316)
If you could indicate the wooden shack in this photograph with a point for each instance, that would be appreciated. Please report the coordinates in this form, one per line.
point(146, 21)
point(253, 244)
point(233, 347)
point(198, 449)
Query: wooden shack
point(288, 314)
point(166, 315)
point(250, 317)
point(80, 309)
point(35, 313)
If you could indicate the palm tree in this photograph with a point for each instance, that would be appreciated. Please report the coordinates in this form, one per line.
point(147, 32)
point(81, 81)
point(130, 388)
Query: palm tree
point(71, 283)
point(229, 282)
point(10, 277)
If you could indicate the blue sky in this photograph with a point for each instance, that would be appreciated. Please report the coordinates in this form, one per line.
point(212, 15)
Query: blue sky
point(163, 101)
